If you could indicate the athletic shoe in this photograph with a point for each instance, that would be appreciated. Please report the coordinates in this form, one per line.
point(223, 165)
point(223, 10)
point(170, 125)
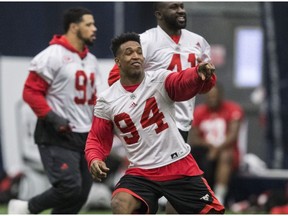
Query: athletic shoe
point(16, 206)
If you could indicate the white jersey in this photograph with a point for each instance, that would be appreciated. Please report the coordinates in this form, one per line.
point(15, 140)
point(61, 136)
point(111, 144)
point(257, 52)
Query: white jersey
point(144, 121)
point(160, 51)
point(72, 84)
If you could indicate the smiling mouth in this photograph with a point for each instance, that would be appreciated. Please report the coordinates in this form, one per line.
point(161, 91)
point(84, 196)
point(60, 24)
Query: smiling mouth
point(181, 19)
point(137, 64)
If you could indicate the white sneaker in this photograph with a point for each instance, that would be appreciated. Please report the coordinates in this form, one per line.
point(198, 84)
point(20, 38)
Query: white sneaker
point(16, 206)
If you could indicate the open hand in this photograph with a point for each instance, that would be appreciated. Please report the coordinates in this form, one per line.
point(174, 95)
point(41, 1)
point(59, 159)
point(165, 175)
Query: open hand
point(99, 170)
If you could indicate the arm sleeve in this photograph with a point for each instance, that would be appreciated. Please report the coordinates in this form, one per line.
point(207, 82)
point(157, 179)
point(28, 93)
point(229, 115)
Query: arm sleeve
point(114, 75)
point(34, 93)
point(185, 84)
point(207, 86)
point(99, 140)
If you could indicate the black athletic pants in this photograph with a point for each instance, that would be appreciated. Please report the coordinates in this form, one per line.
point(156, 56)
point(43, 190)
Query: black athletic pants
point(71, 181)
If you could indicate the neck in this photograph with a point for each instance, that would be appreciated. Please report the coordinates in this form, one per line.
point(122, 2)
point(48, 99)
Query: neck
point(170, 31)
point(131, 80)
point(75, 42)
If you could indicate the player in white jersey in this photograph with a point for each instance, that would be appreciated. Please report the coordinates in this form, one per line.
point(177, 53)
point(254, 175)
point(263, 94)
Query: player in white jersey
point(170, 46)
point(61, 90)
point(139, 110)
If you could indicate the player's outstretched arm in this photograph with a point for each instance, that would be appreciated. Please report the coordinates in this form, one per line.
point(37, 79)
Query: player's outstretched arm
point(186, 84)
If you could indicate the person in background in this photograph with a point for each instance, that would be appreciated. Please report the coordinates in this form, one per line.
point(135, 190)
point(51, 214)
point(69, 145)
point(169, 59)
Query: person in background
point(61, 90)
point(170, 46)
point(139, 110)
point(213, 138)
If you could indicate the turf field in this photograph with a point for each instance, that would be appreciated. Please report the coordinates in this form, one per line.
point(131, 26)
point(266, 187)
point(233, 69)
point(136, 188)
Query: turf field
point(3, 210)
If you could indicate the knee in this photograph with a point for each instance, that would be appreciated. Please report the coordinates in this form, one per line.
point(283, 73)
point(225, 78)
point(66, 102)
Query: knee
point(119, 206)
point(124, 204)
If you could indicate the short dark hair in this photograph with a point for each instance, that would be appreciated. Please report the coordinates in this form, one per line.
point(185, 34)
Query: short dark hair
point(74, 15)
point(123, 38)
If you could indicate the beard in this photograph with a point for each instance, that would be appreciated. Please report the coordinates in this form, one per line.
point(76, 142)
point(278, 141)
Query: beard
point(87, 41)
point(174, 24)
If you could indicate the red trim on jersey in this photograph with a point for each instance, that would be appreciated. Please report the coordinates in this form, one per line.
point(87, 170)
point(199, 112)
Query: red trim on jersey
point(62, 40)
point(131, 88)
point(99, 141)
point(215, 204)
point(186, 84)
point(175, 38)
point(187, 166)
point(114, 75)
point(99, 144)
point(35, 90)
point(133, 194)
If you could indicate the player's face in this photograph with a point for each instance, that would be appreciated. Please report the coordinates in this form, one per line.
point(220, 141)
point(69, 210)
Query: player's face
point(174, 15)
point(213, 98)
point(130, 60)
point(87, 30)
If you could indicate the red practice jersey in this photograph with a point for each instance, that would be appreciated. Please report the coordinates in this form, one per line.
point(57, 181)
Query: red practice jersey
point(213, 125)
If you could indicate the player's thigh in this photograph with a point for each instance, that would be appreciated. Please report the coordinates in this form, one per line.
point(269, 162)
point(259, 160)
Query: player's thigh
point(192, 195)
point(146, 193)
point(61, 165)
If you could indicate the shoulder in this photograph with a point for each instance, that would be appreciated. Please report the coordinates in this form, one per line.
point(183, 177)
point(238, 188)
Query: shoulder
point(91, 56)
point(110, 94)
point(194, 38)
point(234, 109)
point(201, 112)
point(52, 57)
point(232, 105)
point(92, 59)
point(201, 108)
point(148, 33)
point(52, 52)
point(186, 32)
point(151, 37)
point(157, 75)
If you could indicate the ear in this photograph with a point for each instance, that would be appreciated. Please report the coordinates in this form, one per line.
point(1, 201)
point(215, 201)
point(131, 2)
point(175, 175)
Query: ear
point(117, 61)
point(73, 27)
point(158, 15)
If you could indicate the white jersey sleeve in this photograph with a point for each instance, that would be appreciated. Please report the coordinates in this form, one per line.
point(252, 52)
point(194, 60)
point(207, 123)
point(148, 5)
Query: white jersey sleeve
point(144, 121)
